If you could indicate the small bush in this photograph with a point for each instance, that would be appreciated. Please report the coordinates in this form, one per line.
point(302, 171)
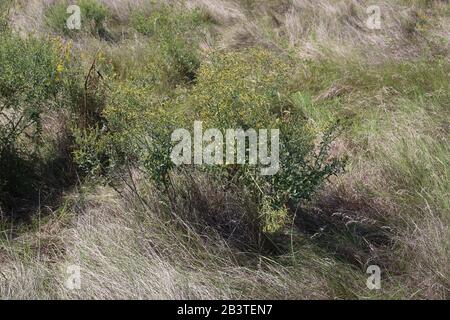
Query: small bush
point(4, 15)
point(250, 89)
point(30, 85)
point(92, 153)
point(177, 36)
point(93, 17)
point(165, 19)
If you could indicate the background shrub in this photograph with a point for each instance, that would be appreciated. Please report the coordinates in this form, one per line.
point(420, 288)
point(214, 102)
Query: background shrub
point(5, 7)
point(177, 35)
point(93, 17)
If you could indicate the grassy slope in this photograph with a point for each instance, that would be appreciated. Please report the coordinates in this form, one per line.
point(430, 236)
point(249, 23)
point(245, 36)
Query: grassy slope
point(391, 89)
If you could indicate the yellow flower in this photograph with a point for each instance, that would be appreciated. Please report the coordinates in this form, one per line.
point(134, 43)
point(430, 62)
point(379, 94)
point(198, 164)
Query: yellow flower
point(59, 68)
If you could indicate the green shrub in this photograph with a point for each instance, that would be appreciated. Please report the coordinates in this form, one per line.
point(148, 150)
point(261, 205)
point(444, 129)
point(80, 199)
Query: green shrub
point(30, 85)
point(93, 17)
point(250, 89)
point(92, 152)
point(165, 19)
point(177, 35)
point(141, 122)
point(4, 14)
point(247, 89)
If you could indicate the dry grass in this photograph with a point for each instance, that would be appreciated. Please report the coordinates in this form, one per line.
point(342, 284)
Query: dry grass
point(126, 251)
point(336, 28)
point(310, 28)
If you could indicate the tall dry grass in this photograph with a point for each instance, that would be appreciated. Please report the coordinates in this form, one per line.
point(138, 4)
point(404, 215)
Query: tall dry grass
point(126, 251)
